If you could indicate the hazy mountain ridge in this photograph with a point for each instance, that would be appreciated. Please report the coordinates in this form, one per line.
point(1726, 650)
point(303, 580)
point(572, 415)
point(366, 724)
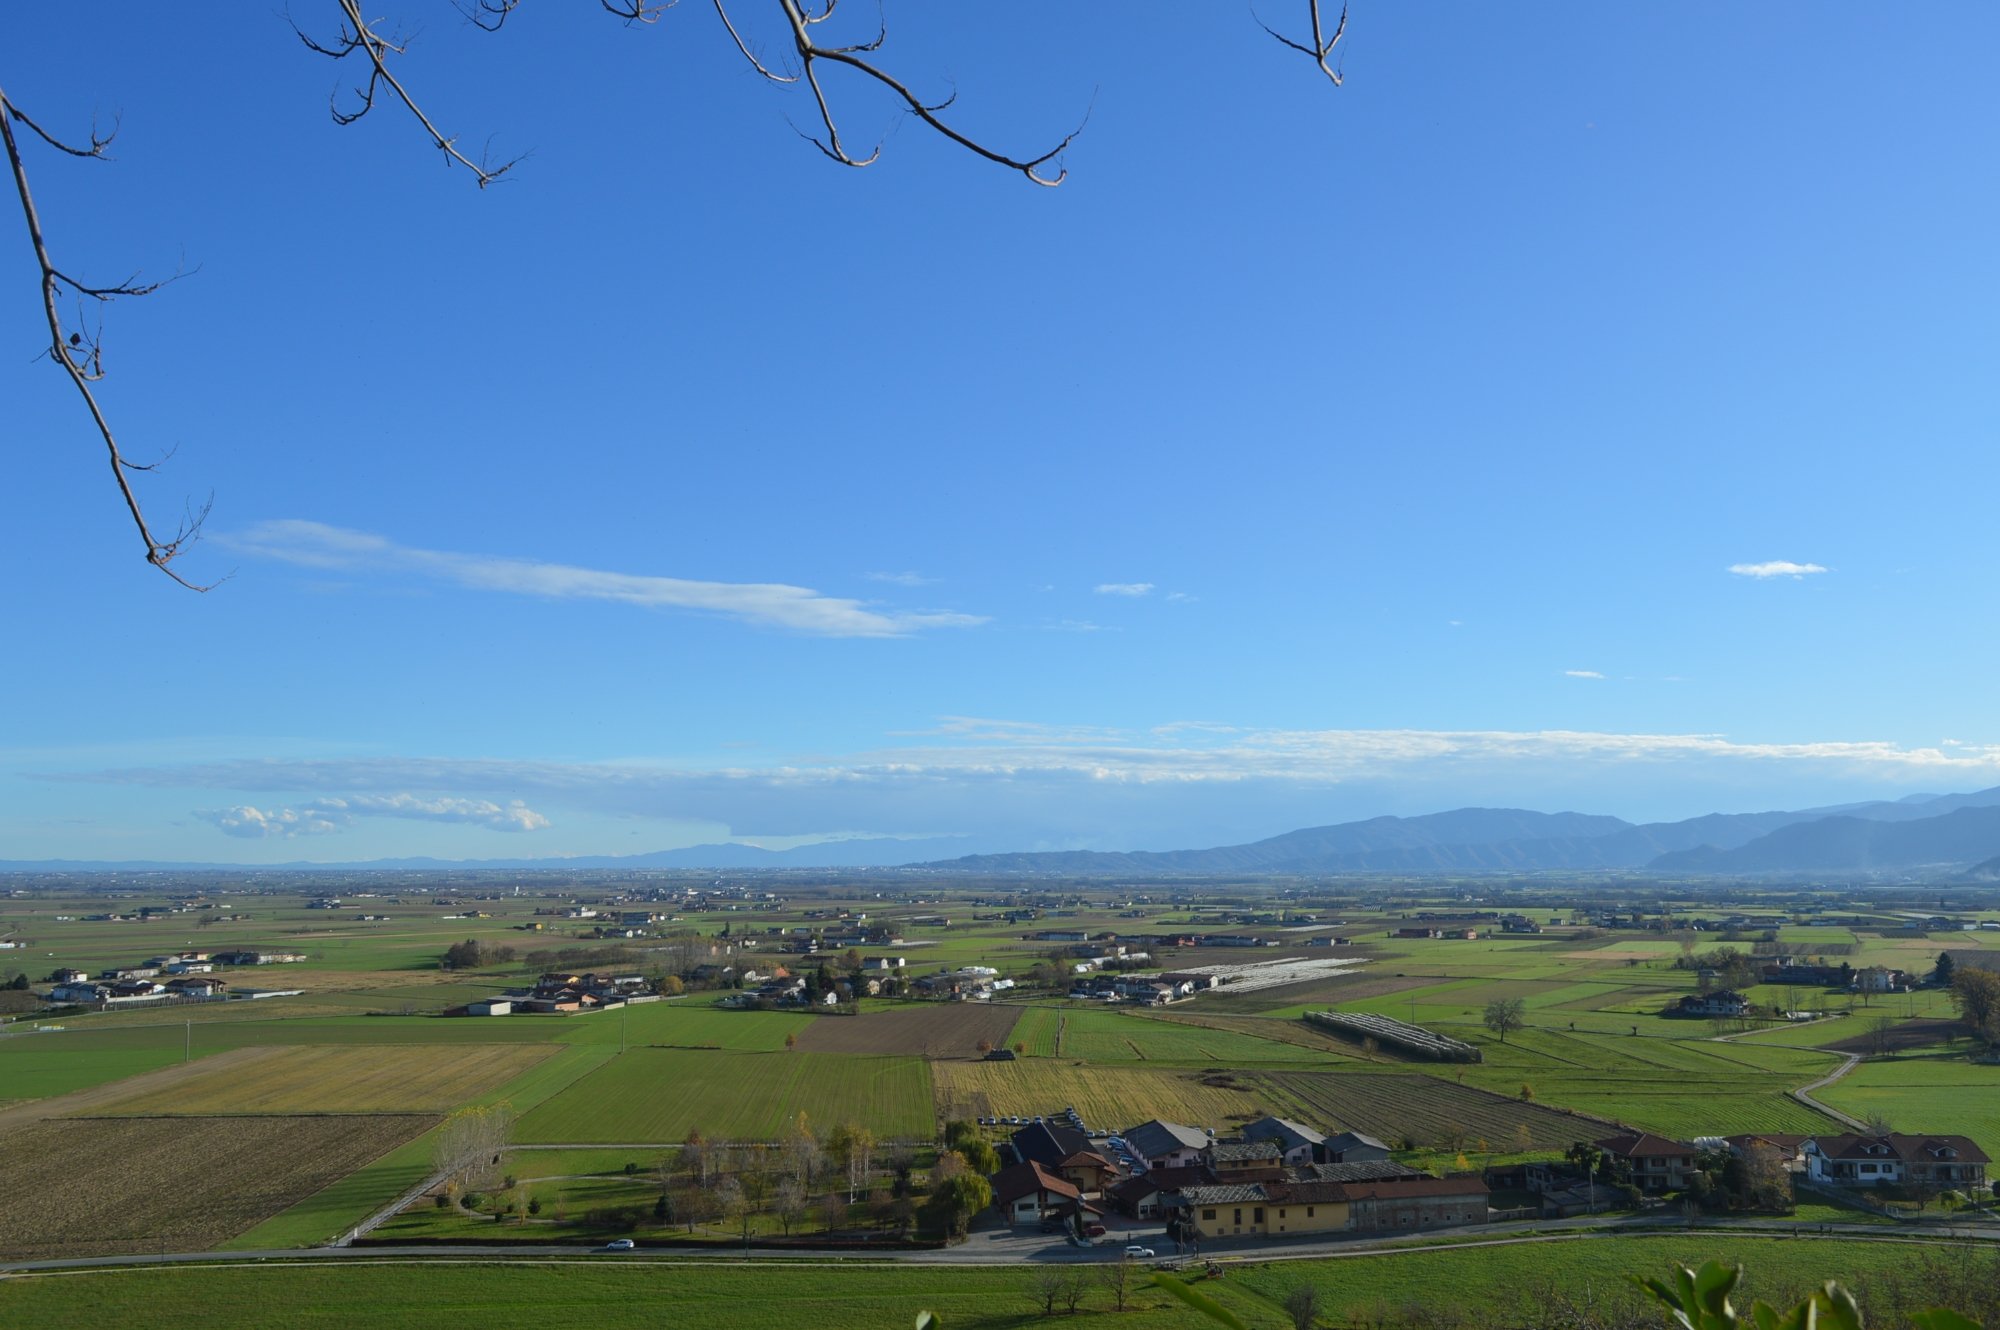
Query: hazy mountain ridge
point(1960, 831)
point(1848, 837)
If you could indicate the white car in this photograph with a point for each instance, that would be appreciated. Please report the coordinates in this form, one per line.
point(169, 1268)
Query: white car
point(620, 1244)
point(1137, 1253)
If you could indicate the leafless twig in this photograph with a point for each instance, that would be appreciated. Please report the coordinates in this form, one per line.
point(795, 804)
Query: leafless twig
point(1322, 45)
point(810, 52)
point(81, 354)
point(359, 35)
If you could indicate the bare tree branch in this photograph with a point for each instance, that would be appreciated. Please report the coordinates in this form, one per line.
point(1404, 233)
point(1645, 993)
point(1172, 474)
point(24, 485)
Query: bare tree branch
point(1322, 46)
point(722, 12)
point(488, 14)
point(637, 11)
point(81, 356)
point(809, 52)
point(357, 34)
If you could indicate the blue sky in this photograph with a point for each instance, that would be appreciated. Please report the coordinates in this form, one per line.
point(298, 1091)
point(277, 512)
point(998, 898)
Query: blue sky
point(1309, 454)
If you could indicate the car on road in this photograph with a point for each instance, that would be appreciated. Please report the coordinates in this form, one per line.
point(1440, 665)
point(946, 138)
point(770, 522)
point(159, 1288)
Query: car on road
point(620, 1244)
point(1138, 1253)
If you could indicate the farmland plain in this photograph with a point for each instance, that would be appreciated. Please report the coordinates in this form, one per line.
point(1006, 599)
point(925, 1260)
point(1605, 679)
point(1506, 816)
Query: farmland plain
point(653, 1095)
point(152, 1184)
point(403, 1078)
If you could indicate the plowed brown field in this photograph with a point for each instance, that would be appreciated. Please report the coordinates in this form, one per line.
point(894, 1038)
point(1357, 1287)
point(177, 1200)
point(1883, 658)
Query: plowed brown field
point(936, 1030)
point(83, 1186)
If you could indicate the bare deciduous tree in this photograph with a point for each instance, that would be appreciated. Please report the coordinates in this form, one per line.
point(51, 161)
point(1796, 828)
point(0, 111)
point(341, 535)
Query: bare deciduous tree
point(79, 350)
point(1302, 1305)
point(1117, 1278)
point(470, 1142)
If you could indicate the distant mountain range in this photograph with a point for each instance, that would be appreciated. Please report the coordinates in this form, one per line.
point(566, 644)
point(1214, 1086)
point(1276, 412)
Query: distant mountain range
point(1953, 831)
point(876, 852)
point(1956, 834)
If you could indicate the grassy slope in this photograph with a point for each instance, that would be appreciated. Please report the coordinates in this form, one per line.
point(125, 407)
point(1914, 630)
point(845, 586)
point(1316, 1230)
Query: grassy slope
point(610, 1294)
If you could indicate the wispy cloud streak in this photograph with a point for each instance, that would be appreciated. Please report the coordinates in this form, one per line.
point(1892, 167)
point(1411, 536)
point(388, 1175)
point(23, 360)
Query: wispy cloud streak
point(772, 604)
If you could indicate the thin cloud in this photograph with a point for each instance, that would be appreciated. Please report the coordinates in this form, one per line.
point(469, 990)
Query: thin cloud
point(772, 604)
point(1776, 568)
point(325, 817)
point(973, 749)
point(1582, 674)
point(902, 579)
point(1124, 588)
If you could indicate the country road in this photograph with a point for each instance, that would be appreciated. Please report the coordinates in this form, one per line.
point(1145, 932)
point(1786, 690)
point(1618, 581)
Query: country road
point(1006, 1248)
point(1804, 1093)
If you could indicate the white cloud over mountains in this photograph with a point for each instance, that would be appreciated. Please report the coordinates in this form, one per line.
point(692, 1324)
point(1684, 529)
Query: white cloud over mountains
point(772, 604)
point(1035, 781)
point(1776, 568)
point(328, 816)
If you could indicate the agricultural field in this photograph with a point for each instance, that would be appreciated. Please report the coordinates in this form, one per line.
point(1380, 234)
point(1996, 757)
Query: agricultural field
point(1103, 1036)
point(929, 1030)
point(1927, 1093)
point(32, 1067)
point(659, 1095)
point(406, 1078)
point(179, 1184)
point(1423, 1110)
point(1106, 1097)
point(628, 1294)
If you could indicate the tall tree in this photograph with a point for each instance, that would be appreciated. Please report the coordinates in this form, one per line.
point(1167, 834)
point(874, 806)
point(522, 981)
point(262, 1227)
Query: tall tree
point(1505, 1015)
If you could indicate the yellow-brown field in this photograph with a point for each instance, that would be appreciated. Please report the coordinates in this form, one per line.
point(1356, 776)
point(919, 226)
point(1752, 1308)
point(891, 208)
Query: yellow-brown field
point(101, 1185)
point(1113, 1097)
point(326, 1078)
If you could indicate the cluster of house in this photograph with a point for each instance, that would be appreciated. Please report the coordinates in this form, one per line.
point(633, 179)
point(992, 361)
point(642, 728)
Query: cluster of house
point(1867, 979)
point(185, 974)
point(565, 993)
point(1276, 1177)
point(782, 988)
point(968, 983)
point(1080, 938)
point(1152, 990)
point(851, 936)
point(1657, 1164)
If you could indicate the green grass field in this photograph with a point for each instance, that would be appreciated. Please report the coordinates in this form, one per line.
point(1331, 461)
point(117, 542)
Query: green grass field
point(614, 1293)
point(36, 1067)
point(656, 1095)
point(1940, 1093)
point(360, 1194)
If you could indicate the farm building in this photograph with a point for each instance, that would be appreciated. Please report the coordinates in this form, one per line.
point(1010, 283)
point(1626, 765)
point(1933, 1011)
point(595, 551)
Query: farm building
point(1027, 1192)
point(1297, 1141)
point(1353, 1147)
point(490, 1007)
point(1315, 1206)
point(1168, 1144)
point(1722, 1002)
point(1851, 1160)
point(1653, 1163)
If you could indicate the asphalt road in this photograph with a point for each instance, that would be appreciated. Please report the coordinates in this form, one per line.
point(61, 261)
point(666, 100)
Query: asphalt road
point(1001, 1247)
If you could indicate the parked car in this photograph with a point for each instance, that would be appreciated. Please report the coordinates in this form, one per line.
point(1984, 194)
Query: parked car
point(1095, 1231)
point(1138, 1253)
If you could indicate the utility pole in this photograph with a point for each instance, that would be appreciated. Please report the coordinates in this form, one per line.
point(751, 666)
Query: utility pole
point(621, 1029)
point(187, 1044)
